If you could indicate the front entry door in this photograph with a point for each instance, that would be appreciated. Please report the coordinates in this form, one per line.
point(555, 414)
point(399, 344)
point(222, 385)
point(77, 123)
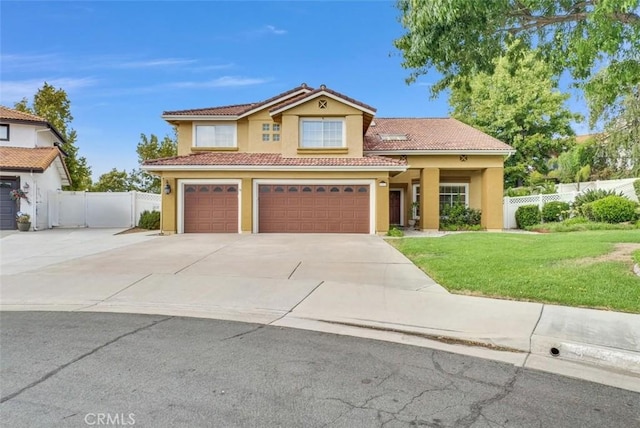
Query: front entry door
point(395, 212)
point(8, 207)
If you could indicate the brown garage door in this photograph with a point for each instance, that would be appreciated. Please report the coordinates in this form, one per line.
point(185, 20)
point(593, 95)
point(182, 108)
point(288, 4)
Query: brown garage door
point(211, 208)
point(313, 209)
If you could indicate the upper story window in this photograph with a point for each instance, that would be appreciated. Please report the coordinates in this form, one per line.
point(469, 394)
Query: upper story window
point(217, 135)
point(276, 127)
point(4, 132)
point(265, 126)
point(322, 132)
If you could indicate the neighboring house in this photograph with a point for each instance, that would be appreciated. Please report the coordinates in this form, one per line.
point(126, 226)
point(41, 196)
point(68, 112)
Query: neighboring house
point(30, 160)
point(315, 160)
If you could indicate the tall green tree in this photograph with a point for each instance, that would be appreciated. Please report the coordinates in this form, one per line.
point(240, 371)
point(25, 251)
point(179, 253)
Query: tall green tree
point(460, 38)
point(54, 105)
point(152, 148)
point(619, 144)
point(519, 104)
point(114, 181)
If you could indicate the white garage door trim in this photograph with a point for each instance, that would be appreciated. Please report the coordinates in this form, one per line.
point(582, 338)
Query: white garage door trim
point(180, 196)
point(372, 195)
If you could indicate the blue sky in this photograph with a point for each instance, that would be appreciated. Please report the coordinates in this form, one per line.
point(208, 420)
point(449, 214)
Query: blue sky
point(123, 63)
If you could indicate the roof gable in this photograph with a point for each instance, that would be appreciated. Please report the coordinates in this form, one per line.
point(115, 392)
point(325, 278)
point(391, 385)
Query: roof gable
point(320, 92)
point(15, 115)
point(235, 111)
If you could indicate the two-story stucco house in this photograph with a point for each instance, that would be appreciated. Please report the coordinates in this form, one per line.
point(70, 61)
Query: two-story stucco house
point(30, 160)
point(315, 160)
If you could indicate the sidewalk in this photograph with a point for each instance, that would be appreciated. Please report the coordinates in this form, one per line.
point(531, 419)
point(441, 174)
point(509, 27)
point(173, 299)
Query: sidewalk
point(334, 294)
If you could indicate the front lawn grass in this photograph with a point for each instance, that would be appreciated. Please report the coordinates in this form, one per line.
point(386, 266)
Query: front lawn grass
point(533, 267)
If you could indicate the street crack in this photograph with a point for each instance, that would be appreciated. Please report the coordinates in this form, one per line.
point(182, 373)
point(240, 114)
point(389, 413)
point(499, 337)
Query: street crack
point(81, 357)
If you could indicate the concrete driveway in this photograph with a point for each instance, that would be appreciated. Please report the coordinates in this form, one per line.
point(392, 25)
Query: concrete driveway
point(245, 277)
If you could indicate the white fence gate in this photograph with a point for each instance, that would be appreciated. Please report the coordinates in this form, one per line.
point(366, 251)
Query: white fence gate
point(511, 204)
point(99, 209)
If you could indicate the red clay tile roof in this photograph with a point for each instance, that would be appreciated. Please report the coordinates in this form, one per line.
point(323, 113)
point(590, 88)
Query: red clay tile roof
point(272, 159)
point(233, 110)
point(429, 134)
point(27, 158)
point(11, 114)
point(313, 93)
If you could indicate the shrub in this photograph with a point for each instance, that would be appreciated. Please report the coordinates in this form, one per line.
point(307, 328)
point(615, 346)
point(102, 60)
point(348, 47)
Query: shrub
point(636, 186)
point(513, 192)
point(555, 211)
point(459, 217)
point(591, 195)
point(149, 220)
point(614, 209)
point(527, 215)
point(587, 211)
point(395, 232)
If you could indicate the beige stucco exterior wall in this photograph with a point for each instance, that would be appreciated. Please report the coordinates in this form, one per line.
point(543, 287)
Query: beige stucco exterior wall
point(170, 202)
point(254, 134)
point(492, 200)
point(485, 188)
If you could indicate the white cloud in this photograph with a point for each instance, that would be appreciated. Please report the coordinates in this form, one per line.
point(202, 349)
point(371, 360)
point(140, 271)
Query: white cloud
point(221, 82)
point(273, 30)
point(160, 62)
point(14, 90)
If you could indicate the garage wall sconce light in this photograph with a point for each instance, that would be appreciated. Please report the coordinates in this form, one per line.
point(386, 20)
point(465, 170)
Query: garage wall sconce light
point(167, 188)
point(383, 184)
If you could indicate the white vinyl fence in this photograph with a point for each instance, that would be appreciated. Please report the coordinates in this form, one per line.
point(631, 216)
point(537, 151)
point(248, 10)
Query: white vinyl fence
point(512, 204)
point(99, 209)
point(566, 193)
point(624, 185)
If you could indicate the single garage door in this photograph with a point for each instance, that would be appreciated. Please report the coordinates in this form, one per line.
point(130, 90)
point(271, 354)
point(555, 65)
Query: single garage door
point(8, 207)
point(313, 208)
point(211, 208)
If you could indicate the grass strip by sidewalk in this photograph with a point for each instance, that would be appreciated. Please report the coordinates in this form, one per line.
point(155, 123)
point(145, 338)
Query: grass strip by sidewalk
point(558, 268)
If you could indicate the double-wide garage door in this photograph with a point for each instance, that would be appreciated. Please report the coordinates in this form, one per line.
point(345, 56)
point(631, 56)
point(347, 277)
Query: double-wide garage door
point(313, 208)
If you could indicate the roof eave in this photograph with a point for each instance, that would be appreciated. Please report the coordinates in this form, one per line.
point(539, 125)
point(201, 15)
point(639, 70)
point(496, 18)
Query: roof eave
point(192, 117)
point(274, 102)
point(441, 152)
point(400, 168)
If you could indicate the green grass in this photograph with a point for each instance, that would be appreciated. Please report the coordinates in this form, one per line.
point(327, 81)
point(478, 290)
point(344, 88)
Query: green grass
point(579, 224)
point(636, 256)
point(532, 267)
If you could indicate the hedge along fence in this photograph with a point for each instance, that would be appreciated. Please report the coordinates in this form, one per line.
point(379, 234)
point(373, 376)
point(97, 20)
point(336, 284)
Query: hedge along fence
point(555, 211)
point(613, 209)
point(528, 215)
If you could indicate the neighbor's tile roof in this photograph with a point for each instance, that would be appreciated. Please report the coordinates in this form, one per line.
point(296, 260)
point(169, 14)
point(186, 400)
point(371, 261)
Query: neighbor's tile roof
point(27, 158)
point(232, 110)
point(428, 134)
point(271, 159)
point(11, 114)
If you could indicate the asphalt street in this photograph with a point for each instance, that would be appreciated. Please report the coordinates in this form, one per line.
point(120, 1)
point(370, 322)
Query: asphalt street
point(98, 369)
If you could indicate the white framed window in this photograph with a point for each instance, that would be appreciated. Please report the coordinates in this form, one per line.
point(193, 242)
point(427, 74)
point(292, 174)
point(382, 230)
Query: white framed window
point(416, 201)
point(454, 193)
point(265, 137)
point(214, 135)
point(276, 127)
point(322, 132)
point(265, 126)
point(4, 132)
point(276, 137)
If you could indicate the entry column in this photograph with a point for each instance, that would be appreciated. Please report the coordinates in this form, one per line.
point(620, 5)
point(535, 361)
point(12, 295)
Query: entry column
point(430, 199)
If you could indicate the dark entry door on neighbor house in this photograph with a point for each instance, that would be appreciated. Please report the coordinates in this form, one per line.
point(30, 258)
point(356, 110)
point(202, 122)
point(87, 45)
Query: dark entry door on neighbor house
point(8, 207)
point(395, 208)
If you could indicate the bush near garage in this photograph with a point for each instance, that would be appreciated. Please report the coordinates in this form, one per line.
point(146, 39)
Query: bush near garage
point(614, 209)
point(149, 220)
point(555, 211)
point(527, 215)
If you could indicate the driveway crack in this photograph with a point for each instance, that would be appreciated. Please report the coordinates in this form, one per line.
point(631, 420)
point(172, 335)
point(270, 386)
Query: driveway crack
point(81, 357)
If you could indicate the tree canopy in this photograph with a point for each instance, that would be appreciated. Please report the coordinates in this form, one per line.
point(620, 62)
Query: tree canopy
point(518, 103)
point(54, 105)
point(598, 42)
